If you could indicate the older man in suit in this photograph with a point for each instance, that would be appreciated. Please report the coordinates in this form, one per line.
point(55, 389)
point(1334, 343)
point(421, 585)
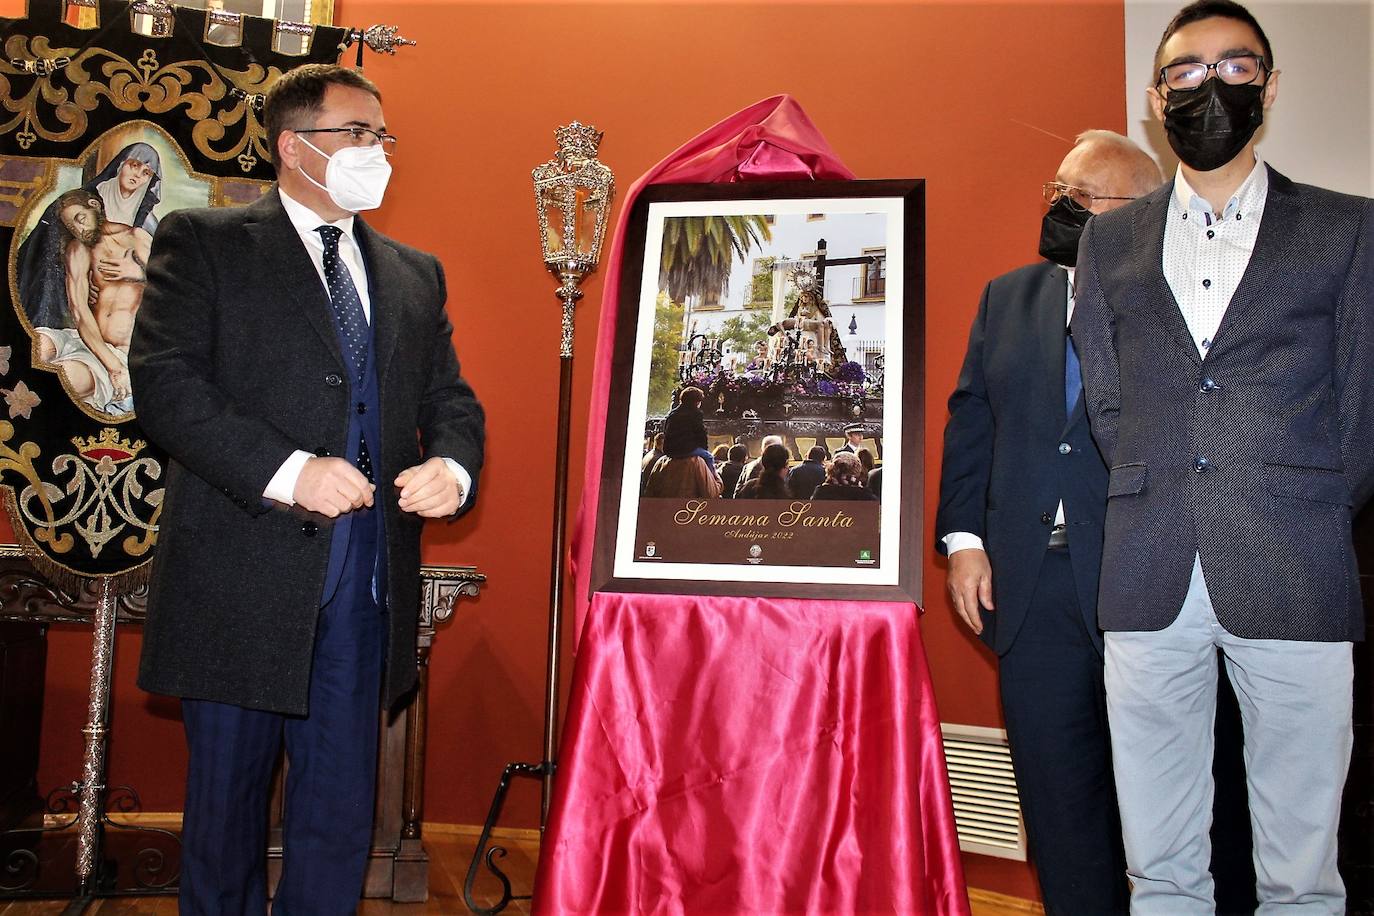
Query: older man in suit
point(1224, 325)
point(299, 369)
point(1022, 493)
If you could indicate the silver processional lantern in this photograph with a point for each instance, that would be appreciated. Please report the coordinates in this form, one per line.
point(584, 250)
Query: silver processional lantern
point(573, 194)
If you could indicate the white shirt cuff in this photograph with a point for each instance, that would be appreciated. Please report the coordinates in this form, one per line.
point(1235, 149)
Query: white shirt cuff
point(282, 486)
point(464, 480)
point(956, 541)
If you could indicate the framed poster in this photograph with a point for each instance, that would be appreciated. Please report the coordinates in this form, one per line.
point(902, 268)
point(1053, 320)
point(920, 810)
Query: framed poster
point(753, 316)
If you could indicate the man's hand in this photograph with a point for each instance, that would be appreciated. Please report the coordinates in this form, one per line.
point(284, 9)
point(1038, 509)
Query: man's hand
point(331, 487)
point(970, 583)
point(429, 489)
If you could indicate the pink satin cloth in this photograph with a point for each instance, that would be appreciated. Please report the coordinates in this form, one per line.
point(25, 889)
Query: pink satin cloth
point(743, 755)
point(748, 755)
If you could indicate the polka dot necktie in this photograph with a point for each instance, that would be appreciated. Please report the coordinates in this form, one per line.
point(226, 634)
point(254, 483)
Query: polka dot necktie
point(348, 312)
point(348, 308)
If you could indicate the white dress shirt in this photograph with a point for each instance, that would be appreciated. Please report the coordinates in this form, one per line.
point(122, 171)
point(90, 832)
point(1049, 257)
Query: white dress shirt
point(1205, 255)
point(282, 486)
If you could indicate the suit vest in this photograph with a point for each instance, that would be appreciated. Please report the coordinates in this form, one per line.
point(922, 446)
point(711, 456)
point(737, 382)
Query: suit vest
point(359, 536)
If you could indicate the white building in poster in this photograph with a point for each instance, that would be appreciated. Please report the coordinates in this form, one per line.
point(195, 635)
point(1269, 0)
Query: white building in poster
point(856, 293)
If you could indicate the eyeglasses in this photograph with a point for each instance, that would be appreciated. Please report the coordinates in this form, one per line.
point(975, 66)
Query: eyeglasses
point(1078, 198)
point(358, 136)
point(1234, 71)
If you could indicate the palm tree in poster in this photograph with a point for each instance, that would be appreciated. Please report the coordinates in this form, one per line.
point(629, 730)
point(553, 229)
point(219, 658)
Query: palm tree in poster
point(698, 252)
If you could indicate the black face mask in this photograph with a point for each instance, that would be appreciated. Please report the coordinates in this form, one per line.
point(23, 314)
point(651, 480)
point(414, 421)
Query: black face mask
point(1060, 230)
point(1208, 126)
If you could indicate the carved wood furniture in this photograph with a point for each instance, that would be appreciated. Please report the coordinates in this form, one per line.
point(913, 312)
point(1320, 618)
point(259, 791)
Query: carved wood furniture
point(398, 867)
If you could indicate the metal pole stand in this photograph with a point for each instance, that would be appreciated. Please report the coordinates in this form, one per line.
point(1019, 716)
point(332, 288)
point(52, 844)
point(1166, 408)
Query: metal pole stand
point(40, 860)
point(569, 293)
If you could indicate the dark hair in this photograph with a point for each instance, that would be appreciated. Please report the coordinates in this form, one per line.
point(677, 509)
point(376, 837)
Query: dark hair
point(721, 452)
point(80, 196)
point(774, 458)
point(817, 453)
point(1214, 9)
point(691, 396)
point(739, 452)
point(865, 458)
point(295, 100)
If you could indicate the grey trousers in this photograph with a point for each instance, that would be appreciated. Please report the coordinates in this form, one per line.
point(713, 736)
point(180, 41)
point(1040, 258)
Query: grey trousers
point(1295, 701)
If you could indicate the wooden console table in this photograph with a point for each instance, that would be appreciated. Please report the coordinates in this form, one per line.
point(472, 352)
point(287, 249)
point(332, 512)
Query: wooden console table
point(398, 867)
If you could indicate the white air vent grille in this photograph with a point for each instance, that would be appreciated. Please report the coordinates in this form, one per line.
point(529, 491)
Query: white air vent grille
point(987, 808)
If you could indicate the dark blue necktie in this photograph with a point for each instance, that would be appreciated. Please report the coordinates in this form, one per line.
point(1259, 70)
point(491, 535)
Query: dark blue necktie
point(348, 307)
point(1073, 375)
point(348, 312)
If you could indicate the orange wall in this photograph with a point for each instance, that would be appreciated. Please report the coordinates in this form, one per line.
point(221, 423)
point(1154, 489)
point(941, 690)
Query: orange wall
point(974, 97)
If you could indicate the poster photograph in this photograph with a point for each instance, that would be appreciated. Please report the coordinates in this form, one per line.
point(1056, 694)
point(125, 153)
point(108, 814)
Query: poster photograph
point(783, 321)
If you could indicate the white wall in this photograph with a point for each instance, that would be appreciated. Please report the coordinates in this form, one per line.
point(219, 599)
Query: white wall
point(1321, 129)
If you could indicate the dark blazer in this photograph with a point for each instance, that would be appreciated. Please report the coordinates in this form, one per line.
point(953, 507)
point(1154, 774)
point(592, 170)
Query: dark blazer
point(684, 430)
point(1011, 454)
point(236, 363)
point(1254, 457)
point(729, 478)
point(803, 479)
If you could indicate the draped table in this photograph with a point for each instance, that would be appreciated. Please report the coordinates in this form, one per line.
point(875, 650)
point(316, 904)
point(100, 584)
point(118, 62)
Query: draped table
point(730, 755)
point(736, 755)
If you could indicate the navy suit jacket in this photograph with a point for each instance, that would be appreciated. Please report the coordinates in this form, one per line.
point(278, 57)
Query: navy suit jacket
point(1011, 453)
point(1254, 457)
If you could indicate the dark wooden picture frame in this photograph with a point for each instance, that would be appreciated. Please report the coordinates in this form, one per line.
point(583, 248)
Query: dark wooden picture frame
point(903, 202)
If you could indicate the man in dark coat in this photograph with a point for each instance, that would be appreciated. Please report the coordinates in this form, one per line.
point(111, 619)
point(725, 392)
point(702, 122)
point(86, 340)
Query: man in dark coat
point(1022, 493)
point(807, 476)
point(731, 470)
point(684, 429)
point(299, 369)
point(1224, 325)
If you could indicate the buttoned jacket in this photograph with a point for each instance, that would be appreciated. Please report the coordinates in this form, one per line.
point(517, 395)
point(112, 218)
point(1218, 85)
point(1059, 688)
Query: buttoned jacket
point(1012, 450)
point(1254, 457)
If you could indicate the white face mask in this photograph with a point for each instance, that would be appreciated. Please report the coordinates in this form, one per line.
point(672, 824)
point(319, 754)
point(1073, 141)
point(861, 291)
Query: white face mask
point(355, 178)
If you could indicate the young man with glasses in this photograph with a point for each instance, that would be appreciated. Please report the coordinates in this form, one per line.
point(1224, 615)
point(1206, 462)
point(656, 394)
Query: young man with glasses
point(299, 369)
point(1224, 326)
point(1022, 493)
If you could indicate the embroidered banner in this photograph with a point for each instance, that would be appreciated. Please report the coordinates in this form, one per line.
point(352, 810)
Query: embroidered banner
point(103, 132)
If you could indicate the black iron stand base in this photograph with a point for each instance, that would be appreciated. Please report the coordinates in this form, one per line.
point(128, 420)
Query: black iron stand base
point(498, 801)
point(37, 858)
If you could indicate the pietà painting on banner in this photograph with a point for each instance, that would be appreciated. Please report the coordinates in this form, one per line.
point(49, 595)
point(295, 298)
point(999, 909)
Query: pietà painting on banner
point(105, 130)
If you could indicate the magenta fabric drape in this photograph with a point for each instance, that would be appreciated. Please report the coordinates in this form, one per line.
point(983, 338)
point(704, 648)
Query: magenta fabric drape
point(743, 755)
point(750, 755)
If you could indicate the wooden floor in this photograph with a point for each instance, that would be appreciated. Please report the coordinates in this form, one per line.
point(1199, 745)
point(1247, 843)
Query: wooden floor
point(450, 852)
